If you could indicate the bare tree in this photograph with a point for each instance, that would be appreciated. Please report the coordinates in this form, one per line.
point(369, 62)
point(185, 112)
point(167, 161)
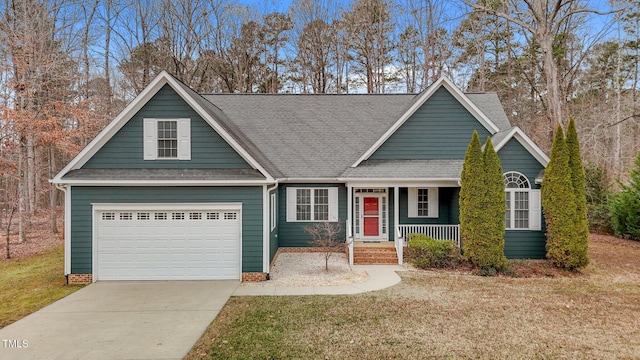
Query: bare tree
point(328, 236)
point(544, 20)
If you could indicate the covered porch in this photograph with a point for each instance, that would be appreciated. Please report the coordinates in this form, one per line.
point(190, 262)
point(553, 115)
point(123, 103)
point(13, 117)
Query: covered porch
point(382, 215)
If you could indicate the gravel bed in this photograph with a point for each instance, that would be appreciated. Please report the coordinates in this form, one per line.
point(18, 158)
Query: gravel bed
point(308, 269)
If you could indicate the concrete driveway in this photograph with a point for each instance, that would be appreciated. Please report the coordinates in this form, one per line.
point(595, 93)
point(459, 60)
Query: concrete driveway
point(119, 320)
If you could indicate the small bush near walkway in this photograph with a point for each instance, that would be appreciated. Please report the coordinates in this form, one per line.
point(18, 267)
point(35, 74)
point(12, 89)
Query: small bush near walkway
point(425, 252)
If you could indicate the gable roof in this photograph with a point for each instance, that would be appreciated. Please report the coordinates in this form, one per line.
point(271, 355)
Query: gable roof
point(303, 137)
point(311, 136)
point(319, 136)
point(502, 138)
point(420, 100)
point(207, 111)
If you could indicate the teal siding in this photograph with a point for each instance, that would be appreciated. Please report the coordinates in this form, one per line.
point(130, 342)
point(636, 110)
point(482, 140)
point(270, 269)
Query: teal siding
point(273, 234)
point(292, 234)
point(125, 148)
point(514, 157)
point(522, 244)
point(83, 197)
point(447, 208)
point(440, 129)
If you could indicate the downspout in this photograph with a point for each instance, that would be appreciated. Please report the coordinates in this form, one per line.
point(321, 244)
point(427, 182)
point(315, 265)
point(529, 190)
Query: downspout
point(267, 228)
point(67, 228)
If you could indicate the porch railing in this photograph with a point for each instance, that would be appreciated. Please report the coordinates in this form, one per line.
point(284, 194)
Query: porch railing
point(438, 232)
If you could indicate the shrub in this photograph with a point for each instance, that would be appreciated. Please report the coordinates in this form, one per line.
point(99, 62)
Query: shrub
point(598, 189)
point(482, 206)
point(566, 246)
point(425, 252)
point(625, 213)
point(472, 199)
point(625, 206)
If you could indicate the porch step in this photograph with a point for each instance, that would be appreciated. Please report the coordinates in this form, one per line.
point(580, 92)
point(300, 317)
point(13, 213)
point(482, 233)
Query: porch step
point(374, 255)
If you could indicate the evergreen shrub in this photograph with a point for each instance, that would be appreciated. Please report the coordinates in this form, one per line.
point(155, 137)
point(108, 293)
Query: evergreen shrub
point(425, 252)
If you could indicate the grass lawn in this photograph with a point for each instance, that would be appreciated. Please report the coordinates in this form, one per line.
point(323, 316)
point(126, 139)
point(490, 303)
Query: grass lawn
point(29, 284)
point(594, 315)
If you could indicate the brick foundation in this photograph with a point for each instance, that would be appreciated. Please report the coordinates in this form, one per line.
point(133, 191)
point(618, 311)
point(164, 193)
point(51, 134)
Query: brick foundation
point(79, 279)
point(254, 276)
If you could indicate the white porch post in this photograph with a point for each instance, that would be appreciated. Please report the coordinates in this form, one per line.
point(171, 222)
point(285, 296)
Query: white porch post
point(396, 221)
point(349, 222)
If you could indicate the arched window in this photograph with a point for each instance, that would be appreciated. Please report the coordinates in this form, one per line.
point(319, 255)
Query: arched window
point(523, 203)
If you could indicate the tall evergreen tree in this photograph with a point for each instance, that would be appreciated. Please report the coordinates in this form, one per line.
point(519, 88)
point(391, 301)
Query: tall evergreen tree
point(494, 209)
point(558, 202)
point(472, 190)
point(578, 180)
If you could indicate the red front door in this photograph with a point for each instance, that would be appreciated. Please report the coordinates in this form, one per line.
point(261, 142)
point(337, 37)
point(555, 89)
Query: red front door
point(371, 215)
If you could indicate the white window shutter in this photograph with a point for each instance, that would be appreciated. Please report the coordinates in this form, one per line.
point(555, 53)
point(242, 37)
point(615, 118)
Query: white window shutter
point(291, 204)
point(535, 210)
point(184, 139)
point(434, 204)
point(333, 204)
point(150, 133)
point(413, 201)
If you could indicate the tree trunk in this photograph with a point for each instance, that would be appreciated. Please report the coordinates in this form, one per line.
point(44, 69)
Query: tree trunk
point(52, 192)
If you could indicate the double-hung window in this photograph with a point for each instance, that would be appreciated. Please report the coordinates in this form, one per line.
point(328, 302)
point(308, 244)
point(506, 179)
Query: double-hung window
point(312, 204)
point(167, 139)
point(423, 202)
point(523, 203)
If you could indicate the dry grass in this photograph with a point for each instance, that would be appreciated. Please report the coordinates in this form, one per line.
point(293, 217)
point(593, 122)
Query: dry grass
point(546, 314)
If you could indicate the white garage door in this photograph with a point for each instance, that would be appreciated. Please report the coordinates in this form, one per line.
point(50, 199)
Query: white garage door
point(167, 244)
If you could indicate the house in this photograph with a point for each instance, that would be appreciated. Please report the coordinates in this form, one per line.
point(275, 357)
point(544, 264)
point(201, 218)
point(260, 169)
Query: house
point(188, 186)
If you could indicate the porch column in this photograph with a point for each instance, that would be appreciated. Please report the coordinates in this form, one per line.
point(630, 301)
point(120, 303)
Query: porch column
point(396, 211)
point(349, 228)
point(396, 222)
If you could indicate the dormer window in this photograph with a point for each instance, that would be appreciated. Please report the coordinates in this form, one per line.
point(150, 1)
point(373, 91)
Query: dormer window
point(167, 139)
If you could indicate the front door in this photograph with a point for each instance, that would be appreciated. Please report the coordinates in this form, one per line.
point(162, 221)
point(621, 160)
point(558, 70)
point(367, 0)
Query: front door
point(371, 216)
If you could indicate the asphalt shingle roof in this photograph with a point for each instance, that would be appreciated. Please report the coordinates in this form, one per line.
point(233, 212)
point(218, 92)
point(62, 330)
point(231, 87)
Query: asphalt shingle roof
point(312, 136)
point(321, 136)
point(418, 169)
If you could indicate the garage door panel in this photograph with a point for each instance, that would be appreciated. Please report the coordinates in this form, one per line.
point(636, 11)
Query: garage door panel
point(168, 245)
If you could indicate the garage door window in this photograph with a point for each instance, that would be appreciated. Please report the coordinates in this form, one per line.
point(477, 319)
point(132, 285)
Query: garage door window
point(213, 216)
point(143, 216)
point(195, 216)
point(177, 216)
point(160, 216)
point(108, 216)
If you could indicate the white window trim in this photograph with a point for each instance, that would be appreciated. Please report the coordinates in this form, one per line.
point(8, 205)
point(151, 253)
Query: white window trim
point(273, 210)
point(433, 204)
point(150, 135)
point(292, 204)
point(535, 207)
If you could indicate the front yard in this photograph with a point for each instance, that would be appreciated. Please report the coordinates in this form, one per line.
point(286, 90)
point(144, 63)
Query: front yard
point(30, 283)
point(595, 314)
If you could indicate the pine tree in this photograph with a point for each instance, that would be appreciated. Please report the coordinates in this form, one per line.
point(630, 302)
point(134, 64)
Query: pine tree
point(557, 200)
point(578, 180)
point(472, 190)
point(494, 209)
